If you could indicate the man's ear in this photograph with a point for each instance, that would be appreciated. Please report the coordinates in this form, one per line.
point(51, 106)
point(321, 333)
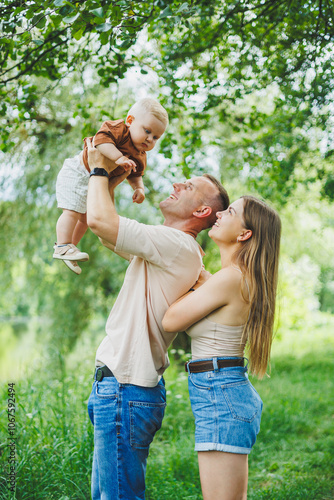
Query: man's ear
point(245, 235)
point(129, 120)
point(203, 211)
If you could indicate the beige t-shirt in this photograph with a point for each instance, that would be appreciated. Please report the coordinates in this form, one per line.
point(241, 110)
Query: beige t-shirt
point(166, 263)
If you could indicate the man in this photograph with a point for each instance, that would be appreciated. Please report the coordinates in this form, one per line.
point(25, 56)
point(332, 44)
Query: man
point(128, 399)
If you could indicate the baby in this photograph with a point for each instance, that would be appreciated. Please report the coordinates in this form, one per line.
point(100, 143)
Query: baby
point(125, 145)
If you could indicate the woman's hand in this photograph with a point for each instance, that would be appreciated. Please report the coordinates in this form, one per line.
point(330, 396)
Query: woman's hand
point(203, 277)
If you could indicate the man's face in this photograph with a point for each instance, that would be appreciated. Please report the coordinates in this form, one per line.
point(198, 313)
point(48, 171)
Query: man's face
point(187, 197)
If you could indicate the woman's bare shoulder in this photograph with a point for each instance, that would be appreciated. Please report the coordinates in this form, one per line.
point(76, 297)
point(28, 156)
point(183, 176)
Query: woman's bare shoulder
point(228, 274)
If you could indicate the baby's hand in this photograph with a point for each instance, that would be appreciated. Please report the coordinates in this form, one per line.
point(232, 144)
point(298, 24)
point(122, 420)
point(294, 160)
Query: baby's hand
point(138, 195)
point(126, 163)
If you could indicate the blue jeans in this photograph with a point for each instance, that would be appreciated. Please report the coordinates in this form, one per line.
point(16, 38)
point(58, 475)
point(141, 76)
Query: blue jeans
point(125, 418)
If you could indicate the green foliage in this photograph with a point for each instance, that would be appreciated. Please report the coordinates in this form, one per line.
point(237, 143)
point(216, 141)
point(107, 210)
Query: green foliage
point(53, 41)
point(215, 62)
point(217, 59)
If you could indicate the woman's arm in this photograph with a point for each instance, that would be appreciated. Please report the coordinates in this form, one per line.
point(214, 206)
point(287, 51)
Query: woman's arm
point(213, 294)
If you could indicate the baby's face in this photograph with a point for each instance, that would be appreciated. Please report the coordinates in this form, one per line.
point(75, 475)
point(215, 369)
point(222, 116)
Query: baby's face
point(145, 130)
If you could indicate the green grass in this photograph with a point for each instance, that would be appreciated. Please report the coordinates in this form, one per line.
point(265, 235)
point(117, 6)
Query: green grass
point(292, 459)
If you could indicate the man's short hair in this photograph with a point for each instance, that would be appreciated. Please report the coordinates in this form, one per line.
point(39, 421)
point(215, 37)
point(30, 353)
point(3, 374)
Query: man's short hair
point(149, 105)
point(218, 202)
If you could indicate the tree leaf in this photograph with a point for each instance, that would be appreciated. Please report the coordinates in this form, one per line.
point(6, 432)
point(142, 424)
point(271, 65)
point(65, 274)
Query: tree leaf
point(97, 12)
point(104, 37)
point(71, 19)
point(77, 34)
point(39, 21)
point(103, 27)
point(167, 12)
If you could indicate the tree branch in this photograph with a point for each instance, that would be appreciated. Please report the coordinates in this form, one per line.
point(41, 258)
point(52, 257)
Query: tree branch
point(36, 49)
point(34, 62)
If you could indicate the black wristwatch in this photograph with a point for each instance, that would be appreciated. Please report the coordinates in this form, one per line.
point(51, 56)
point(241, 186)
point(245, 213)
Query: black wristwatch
point(99, 171)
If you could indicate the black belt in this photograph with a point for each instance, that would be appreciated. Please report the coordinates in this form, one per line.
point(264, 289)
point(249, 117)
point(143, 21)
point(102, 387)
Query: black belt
point(101, 372)
point(207, 366)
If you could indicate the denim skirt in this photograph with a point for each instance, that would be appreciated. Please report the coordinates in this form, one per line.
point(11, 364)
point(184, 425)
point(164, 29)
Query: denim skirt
point(227, 409)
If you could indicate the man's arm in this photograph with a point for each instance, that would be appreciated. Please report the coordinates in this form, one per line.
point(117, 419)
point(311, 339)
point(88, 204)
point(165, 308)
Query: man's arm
point(102, 217)
point(124, 255)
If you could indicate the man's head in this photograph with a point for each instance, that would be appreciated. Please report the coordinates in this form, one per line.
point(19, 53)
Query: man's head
point(193, 204)
point(147, 121)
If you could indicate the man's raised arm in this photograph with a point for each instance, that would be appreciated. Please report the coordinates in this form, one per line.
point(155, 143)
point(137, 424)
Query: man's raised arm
point(102, 217)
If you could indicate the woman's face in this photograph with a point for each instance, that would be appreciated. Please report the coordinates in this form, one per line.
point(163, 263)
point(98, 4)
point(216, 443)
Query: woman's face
point(229, 224)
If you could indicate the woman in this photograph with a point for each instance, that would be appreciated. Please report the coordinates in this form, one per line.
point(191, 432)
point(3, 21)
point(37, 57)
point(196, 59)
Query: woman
point(222, 314)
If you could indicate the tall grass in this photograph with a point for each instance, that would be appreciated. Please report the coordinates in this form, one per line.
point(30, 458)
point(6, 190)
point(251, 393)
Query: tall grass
point(292, 458)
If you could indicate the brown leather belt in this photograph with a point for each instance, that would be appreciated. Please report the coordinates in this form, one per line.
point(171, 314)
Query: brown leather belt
point(207, 366)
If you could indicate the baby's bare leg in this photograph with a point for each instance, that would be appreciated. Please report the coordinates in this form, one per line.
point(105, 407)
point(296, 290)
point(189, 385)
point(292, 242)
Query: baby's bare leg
point(66, 225)
point(80, 229)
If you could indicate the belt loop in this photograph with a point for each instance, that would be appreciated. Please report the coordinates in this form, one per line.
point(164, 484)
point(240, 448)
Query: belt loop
point(187, 367)
point(215, 364)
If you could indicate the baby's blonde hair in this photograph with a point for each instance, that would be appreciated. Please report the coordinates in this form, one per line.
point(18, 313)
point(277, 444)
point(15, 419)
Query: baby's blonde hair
point(152, 106)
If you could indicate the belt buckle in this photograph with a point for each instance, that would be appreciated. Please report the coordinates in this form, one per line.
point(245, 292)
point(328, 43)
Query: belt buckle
point(99, 375)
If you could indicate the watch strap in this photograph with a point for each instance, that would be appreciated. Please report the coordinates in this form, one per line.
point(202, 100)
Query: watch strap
point(101, 172)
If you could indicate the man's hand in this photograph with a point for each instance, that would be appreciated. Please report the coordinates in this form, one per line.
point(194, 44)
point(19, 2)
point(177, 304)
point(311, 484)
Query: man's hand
point(97, 159)
point(126, 163)
point(138, 195)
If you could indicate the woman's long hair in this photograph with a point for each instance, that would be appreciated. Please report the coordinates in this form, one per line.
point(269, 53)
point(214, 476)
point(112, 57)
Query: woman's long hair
point(258, 261)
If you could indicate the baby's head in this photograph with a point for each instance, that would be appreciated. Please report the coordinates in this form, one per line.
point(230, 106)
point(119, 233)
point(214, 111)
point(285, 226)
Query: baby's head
point(147, 121)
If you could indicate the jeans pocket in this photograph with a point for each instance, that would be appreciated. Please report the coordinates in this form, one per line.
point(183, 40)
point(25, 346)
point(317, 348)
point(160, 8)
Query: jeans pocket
point(145, 421)
point(105, 389)
point(243, 401)
point(198, 380)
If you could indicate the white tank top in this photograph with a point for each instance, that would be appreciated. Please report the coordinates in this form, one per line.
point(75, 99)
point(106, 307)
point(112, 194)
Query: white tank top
point(210, 340)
